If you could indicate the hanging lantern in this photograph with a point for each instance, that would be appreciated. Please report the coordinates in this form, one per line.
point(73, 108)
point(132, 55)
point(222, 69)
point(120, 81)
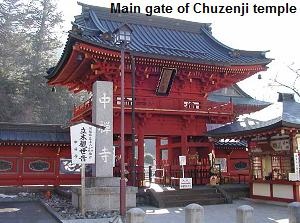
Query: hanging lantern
point(122, 35)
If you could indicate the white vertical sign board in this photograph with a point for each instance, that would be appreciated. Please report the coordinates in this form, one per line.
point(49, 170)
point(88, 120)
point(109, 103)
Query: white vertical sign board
point(83, 138)
point(114, 157)
point(182, 160)
point(182, 163)
point(83, 143)
point(296, 165)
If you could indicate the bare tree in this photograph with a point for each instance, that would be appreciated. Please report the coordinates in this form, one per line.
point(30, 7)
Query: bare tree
point(294, 85)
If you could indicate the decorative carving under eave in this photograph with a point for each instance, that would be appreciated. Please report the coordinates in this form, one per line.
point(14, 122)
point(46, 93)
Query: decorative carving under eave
point(107, 68)
point(182, 77)
point(144, 117)
point(187, 120)
point(221, 119)
point(142, 73)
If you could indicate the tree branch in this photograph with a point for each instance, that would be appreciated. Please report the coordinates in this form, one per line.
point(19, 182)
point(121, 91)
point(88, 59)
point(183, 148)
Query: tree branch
point(295, 90)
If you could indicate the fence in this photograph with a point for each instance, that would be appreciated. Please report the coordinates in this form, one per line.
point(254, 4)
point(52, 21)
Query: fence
point(194, 213)
point(169, 175)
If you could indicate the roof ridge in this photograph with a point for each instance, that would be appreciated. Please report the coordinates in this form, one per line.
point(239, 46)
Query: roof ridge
point(28, 123)
point(142, 19)
point(31, 127)
point(241, 91)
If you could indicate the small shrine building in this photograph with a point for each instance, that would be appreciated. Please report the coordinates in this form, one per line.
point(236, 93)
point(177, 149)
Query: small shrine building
point(273, 139)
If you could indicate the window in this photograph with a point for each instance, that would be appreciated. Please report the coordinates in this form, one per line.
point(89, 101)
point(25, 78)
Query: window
point(281, 167)
point(39, 165)
point(256, 167)
point(240, 165)
point(5, 165)
point(165, 81)
point(222, 162)
point(271, 167)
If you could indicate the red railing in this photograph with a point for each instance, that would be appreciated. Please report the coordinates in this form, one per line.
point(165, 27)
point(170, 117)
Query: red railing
point(80, 110)
point(164, 105)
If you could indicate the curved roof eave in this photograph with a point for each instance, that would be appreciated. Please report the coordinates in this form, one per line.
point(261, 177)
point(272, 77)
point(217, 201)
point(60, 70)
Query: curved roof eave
point(175, 58)
point(290, 125)
point(241, 133)
point(242, 52)
point(73, 38)
point(64, 57)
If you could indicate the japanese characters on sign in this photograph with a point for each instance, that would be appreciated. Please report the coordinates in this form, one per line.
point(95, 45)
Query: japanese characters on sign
point(105, 154)
point(107, 127)
point(296, 163)
point(83, 137)
point(295, 176)
point(104, 99)
point(106, 150)
point(182, 160)
point(185, 183)
point(280, 145)
point(102, 114)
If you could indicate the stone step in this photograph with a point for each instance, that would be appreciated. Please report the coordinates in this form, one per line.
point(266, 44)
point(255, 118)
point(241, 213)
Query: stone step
point(204, 196)
point(206, 201)
point(192, 191)
point(175, 198)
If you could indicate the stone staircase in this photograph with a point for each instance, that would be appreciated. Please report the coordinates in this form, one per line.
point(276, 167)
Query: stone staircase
point(235, 191)
point(179, 198)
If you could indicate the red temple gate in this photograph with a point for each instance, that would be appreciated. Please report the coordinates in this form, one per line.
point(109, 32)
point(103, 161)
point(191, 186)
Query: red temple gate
point(202, 65)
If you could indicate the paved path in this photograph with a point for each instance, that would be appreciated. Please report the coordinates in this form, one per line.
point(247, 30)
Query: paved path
point(24, 212)
point(33, 212)
point(222, 213)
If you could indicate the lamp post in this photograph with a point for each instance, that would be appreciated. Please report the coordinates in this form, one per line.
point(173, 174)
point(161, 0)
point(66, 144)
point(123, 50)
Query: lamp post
point(122, 38)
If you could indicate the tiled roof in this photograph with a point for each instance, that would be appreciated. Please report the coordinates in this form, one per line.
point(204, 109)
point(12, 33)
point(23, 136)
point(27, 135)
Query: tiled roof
point(162, 37)
point(279, 114)
point(155, 37)
point(241, 98)
point(43, 133)
point(231, 144)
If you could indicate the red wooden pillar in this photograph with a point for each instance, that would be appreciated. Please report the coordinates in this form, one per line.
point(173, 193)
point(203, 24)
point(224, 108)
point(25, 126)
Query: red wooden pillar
point(158, 151)
point(229, 163)
point(213, 153)
point(170, 151)
point(57, 167)
point(184, 145)
point(20, 167)
point(141, 149)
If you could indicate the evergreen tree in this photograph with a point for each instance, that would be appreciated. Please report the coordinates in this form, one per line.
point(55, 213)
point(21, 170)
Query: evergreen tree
point(30, 32)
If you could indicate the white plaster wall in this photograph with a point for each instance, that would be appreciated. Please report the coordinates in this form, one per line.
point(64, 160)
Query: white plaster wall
point(261, 189)
point(283, 191)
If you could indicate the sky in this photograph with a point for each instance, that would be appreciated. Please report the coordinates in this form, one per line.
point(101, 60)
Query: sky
point(253, 31)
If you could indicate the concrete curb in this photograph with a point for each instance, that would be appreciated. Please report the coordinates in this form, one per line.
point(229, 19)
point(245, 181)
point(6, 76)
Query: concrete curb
point(49, 209)
point(39, 201)
point(11, 200)
point(265, 201)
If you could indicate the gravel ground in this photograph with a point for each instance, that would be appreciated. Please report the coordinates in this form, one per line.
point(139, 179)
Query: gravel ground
point(61, 206)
